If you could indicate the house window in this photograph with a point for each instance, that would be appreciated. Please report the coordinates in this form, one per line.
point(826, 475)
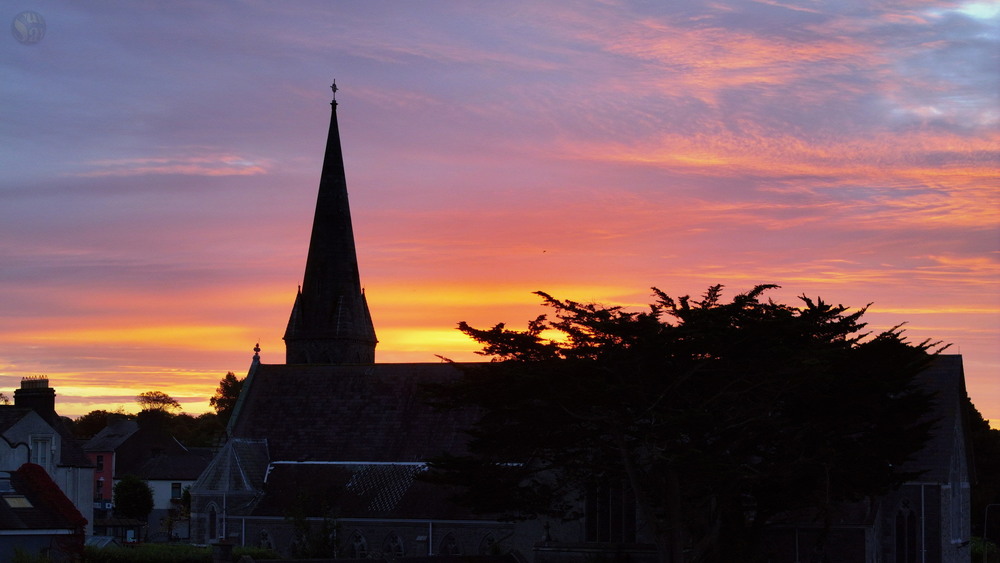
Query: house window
point(99, 489)
point(100, 463)
point(175, 491)
point(41, 451)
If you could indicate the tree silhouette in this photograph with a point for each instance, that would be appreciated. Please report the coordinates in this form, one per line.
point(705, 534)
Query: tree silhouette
point(224, 400)
point(87, 425)
point(157, 401)
point(717, 416)
point(133, 498)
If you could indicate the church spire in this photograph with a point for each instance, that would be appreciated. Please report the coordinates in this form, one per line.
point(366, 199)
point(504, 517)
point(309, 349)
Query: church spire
point(330, 322)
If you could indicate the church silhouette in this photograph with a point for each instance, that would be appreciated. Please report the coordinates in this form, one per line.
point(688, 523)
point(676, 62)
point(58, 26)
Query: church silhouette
point(322, 452)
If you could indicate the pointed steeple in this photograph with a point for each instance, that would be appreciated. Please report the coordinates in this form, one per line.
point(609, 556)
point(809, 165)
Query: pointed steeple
point(330, 322)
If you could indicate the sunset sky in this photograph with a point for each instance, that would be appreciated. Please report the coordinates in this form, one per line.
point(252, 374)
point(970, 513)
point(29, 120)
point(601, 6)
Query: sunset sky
point(160, 160)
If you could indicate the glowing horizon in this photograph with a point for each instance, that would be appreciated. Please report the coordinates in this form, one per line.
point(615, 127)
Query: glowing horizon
point(161, 169)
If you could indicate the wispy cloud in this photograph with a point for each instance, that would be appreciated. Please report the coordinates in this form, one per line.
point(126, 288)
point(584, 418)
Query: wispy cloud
point(210, 165)
point(161, 165)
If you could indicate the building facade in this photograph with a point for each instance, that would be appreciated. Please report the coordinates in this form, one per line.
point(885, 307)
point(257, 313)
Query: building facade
point(33, 433)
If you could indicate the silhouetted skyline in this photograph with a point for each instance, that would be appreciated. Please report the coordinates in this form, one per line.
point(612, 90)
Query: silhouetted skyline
point(160, 167)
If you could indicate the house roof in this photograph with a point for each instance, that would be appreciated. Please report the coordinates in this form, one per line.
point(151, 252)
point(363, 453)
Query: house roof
point(182, 466)
point(70, 452)
point(37, 503)
point(9, 416)
point(357, 413)
point(111, 436)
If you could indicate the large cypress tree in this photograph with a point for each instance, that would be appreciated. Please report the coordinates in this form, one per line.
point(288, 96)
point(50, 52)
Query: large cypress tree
point(719, 416)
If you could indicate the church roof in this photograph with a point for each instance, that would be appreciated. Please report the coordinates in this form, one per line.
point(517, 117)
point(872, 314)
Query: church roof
point(945, 378)
point(356, 413)
point(240, 466)
point(357, 491)
point(330, 321)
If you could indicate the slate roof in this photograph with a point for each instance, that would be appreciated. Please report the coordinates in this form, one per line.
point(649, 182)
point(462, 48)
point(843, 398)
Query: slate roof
point(240, 467)
point(9, 416)
point(181, 466)
point(71, 452)
point(47, 507)
point(357, 413)
point(356, 491)
point(111, 436)
point(945, 378)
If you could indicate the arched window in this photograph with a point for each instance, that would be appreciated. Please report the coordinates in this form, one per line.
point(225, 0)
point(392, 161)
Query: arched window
point(359, 545)
point(906, 534)
point(264, 540)
point(488, 545)
point(449, 545)
point(393, 545)
point(213, 522)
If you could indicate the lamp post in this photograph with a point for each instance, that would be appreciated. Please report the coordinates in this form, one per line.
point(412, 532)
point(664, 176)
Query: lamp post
point(986, 521)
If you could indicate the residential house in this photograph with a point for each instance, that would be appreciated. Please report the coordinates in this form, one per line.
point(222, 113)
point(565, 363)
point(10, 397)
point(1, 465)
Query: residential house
point(33, 433)
point(143, 447)
point(36, 518)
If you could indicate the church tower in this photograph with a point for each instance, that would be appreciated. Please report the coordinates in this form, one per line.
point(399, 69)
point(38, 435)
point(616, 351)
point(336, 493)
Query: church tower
point(330, 322)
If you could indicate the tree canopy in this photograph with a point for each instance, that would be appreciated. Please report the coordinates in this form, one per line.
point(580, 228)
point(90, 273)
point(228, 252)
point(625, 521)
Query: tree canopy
point(157, 401)
point(224, 400)
point(718, 416)
point(88, 425)
point(133, 498)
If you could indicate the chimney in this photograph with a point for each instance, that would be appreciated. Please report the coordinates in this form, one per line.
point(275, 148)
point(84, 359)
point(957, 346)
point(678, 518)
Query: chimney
point(36, 395)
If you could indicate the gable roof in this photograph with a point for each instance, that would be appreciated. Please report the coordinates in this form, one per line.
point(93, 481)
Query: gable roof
point(9, 416)
point(111, 436)
point(176, 466)
point(356, 413)
point(239, 467)
point(945, 378)
point(70, 452)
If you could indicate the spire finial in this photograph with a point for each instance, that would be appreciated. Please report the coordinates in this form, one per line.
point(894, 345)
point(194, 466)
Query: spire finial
point(334, 88)
point(256, 351)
